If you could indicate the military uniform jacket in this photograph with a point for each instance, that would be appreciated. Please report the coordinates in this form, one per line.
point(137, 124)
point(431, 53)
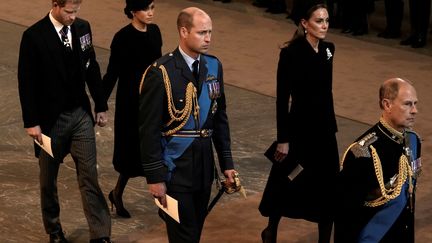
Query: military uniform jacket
point(195, 167)
point(358, 183)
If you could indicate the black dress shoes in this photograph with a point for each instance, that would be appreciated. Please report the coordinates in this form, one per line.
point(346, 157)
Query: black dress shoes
point(346, 30)
point(101, 240)
point(419, 42)
point(260, 4)
point(276, 10)
point(407, 41)
point(387, 34)
point(58, 237)
point(415, 41)
point(359, 32)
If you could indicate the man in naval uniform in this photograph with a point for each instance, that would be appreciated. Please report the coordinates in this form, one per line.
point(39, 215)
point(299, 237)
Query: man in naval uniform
point(379, 172)
point(181, 112)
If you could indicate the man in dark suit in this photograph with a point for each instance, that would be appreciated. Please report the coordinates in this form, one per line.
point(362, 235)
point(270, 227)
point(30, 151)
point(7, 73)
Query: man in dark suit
point(56, 61)
point(394, 15)
point(419, 19)
point(182, 111)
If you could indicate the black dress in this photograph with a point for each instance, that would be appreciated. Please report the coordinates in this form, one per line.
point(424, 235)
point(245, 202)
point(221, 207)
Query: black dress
point(132, 51)
point(308, 124)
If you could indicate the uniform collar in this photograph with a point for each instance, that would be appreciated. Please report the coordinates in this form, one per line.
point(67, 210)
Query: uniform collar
point(189, 60)
point(391, 132)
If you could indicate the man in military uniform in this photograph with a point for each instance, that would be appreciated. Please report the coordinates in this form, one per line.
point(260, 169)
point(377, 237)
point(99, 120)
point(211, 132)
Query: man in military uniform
point(182, 110)
point(379, 173)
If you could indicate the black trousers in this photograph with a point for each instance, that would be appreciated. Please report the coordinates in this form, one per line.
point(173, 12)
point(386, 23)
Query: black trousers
point(73, 133)
point(419, 16)
point(192, 212)
point(394, 15)
point(354, 14)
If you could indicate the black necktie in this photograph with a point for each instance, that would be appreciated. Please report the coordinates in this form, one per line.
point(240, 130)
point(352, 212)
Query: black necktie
point(64, 37)
point(195, 70)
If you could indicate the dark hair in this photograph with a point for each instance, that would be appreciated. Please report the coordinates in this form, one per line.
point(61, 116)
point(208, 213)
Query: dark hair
point(136, 5)
point(303, 9)
point(185, 19)
point(62, 3)
point(307, 14)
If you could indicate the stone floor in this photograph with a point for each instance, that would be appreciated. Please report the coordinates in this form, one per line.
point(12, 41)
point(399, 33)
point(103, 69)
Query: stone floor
point(246, 40)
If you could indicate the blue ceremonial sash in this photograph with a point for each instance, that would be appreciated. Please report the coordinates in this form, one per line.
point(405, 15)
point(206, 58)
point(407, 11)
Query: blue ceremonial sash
point(383, 220)
point(176, 146)
point(411, 141)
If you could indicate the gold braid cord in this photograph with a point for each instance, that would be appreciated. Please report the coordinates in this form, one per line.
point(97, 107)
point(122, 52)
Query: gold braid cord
point(341, 163)
point(393, 192)
point(143, 77)
point(182, 115)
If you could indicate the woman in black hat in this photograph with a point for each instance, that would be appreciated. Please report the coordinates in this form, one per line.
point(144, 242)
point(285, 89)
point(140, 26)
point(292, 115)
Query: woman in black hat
point(133, 49)
point(301, 183)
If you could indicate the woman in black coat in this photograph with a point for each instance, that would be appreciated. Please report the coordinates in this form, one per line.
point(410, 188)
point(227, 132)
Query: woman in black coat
point(133, 49)
point(306, 127)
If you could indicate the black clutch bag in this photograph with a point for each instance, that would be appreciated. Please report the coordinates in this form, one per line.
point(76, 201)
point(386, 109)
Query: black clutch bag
point(293, 168)
point(270, 152)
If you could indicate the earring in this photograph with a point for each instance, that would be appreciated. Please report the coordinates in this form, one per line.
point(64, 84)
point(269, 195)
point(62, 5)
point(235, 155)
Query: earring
point(305, 31)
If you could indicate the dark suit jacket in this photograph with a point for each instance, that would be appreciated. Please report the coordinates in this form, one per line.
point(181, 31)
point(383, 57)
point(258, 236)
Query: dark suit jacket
point(42, 73)
point(194, 169)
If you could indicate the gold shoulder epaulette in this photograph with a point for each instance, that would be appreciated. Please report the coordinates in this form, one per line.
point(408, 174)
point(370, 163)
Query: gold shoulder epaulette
point(361, 147)
point(141, 86)
point(159, 62)
point(164, 59)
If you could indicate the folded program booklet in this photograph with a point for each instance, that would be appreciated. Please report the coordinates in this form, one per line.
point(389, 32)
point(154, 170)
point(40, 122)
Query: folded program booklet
point(46, 144)
point(171, 209)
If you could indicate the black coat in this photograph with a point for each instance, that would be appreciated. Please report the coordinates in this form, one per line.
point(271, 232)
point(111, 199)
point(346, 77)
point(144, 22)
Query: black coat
point(132, 51)
point(305, 119)
point(195, 167)
point(44, 84)
point(358, 181)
